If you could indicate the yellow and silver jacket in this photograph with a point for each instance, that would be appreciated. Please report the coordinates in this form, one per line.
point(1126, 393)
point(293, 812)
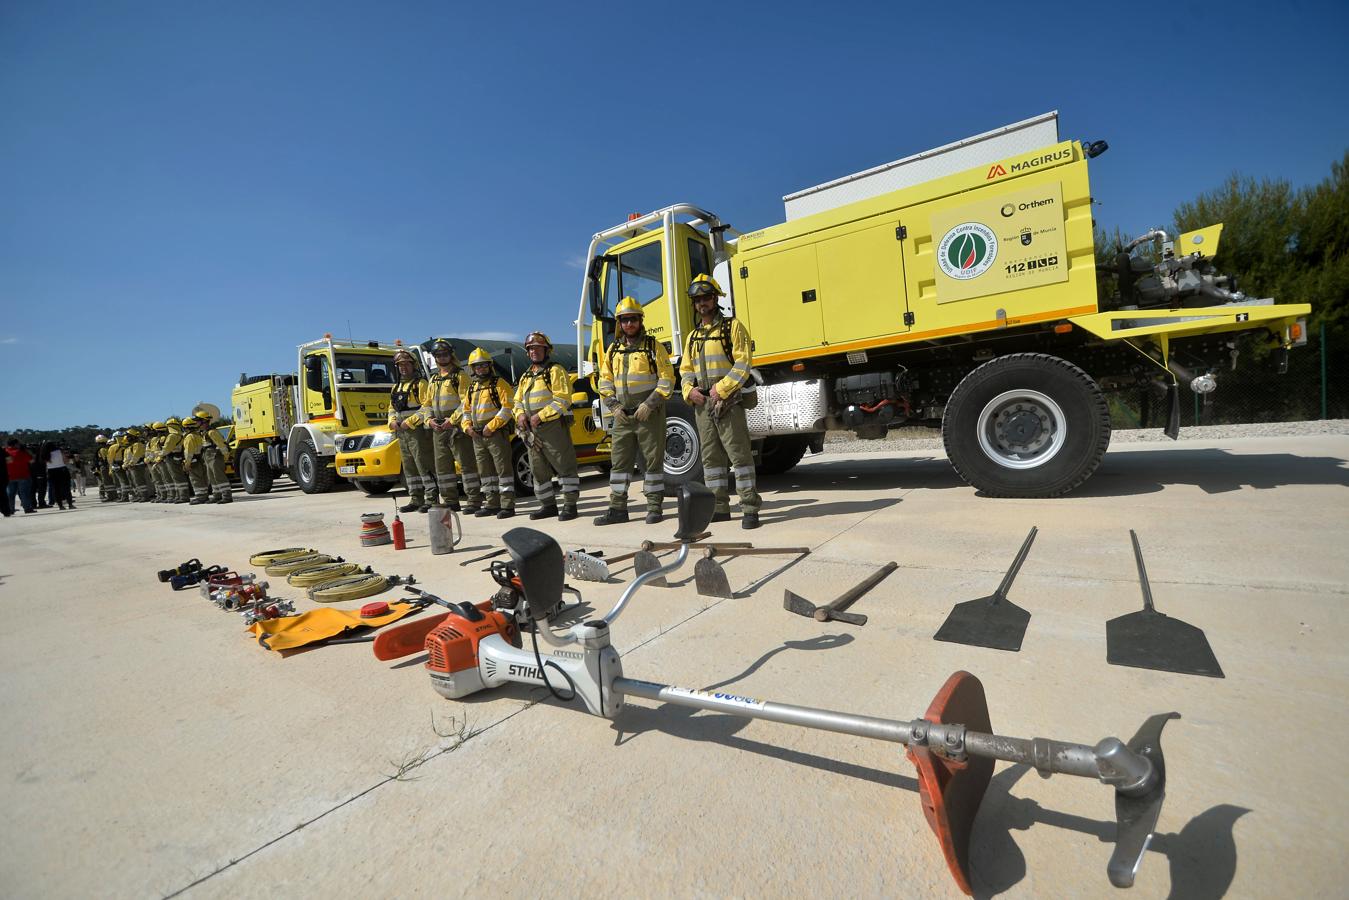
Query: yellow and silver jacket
point(135, 454)
point(708, 363)
point(406, 401)
point(192, 444)
point(544, 392)
point(626, 371)
point(115, 450)
point(445, 393)
point(173, 441)
point(212, 438)
point(489, 403)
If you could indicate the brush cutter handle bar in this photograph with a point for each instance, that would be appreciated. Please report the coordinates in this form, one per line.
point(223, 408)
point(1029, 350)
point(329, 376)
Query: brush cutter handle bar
point(1021, 554)
point(680, 558)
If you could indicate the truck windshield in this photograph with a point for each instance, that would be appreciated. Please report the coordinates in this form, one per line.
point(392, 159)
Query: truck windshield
point(362, 369)
point(639, 274)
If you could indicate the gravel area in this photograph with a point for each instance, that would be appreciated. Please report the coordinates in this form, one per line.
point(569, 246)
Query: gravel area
point(919, 438)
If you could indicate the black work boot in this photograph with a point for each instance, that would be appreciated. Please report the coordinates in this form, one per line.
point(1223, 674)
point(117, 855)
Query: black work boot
point(547, 511)
point(471, 509)
point(453, 505)
point(568, 512)
point(721, 516)
point(612, 517)
point(506, 513)
point(749, 520)
point(197, 501)
point(654, 516)
point(487, 511)
point(411, 506)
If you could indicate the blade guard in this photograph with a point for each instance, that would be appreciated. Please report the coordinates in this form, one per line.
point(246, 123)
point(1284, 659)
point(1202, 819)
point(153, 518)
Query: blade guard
point(951, 791)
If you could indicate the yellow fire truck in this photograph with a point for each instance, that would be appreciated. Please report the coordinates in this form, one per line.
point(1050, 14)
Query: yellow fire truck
point(290, 424)
point(957, 288)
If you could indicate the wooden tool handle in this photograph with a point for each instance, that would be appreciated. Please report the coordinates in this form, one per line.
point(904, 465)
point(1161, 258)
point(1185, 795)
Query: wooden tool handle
point(856, 593)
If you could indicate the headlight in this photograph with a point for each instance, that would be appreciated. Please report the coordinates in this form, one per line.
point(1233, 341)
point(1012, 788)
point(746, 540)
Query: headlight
point(381, 438)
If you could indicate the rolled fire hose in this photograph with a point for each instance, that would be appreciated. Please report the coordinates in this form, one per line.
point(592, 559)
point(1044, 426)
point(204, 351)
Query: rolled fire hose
point(294, 563)
point(321, 574)
point(270, 556)
point(353, 587)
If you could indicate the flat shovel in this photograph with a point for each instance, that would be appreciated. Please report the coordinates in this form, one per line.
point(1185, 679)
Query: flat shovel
point(993, 621)
point(1148, 639)
point(710, 577)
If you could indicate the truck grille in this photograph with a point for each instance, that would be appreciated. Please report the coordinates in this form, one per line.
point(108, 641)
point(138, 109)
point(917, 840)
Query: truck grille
point(356, 442)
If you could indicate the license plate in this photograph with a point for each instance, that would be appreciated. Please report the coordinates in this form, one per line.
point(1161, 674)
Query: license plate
point(346, 470)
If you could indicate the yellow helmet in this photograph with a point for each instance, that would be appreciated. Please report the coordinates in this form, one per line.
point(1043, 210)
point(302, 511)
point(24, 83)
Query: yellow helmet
point(133, 431)
point(628, 307)
point(201, 416)
point(442, 344)
point(479, 355)
point(538, 339)
point(705, 286)
point(403, 354)
point(157, 426)
point(173, 420)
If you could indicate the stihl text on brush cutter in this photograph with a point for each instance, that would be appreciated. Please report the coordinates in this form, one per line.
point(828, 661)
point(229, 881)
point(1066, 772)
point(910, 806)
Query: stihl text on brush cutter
point(952, 745)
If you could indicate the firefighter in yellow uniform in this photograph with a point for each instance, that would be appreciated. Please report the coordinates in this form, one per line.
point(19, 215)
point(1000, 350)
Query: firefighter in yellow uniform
point(133, 462)
point(446, 390)
point(486, 417)
point(713, 371)
point(154, 435)
point(214, 453)
point(543, 419)
point(107, 487)
point(193, 463)
point(116, 453)
point(635, 381)
point(172, 451)
point(406, 400)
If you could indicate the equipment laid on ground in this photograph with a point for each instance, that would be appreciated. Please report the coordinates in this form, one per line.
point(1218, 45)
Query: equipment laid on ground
point(1148, 639)
point(585, 566)
point(267, 609)
point(834, 612)
point(993, 621)
point(710, 577)
point(312, 626)
point(468, 562)
point(952, 745)
point(442, 523)
point(181, 582)
point(295, 563)
point(186, 568)
point(266, 557)
point(355, 587)
point(374, 533)
point(324, 572)
point(400, 541)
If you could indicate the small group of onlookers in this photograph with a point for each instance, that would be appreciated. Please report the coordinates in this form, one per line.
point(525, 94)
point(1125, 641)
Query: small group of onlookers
point(41, 478)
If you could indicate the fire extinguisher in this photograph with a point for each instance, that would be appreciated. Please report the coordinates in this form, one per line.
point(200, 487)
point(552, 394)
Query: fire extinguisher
point(399, 536)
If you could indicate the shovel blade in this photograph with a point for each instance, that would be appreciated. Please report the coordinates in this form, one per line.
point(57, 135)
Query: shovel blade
point(797, 604)
point(711, 579)
point(1148, 639)
point(986, 622)
point(644, 562)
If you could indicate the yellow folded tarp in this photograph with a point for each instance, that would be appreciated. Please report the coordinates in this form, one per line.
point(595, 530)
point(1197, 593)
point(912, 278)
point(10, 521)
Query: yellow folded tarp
point(290, 632)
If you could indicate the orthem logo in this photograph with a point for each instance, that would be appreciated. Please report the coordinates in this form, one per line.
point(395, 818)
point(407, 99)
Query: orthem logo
point(1007, 210)
point(967, 251)
point(995, 170)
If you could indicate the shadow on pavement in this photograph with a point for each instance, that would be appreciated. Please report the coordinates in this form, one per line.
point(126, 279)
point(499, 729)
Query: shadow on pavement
point(1211, 470)
point(1202, 857)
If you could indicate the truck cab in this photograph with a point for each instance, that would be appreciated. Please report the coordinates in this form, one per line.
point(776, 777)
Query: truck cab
point(291, 424)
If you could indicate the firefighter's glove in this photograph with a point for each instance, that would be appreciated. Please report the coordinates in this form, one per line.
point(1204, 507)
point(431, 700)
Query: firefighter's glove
point(620, 416)
point(644, 412)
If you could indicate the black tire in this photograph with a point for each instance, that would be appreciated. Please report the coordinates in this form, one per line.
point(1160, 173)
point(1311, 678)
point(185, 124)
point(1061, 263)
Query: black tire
point(374, 488)
point(524, 479)
point(781, 453)
point(254, 473)
point(312, 472)
point(683, 447)
point(1026, 425)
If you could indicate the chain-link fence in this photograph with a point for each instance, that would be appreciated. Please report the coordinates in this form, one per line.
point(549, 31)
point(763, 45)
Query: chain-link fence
point(1316, 386)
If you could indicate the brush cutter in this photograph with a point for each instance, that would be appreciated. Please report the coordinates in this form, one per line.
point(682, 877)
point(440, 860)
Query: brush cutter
point(952, 745)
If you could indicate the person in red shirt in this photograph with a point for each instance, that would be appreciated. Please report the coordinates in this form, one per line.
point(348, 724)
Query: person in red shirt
point(18, 465)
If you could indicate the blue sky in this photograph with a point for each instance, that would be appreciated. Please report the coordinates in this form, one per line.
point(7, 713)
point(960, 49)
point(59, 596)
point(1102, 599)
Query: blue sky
point(189, 190)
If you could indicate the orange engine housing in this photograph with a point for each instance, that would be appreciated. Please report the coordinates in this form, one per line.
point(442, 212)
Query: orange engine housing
point(452, 646)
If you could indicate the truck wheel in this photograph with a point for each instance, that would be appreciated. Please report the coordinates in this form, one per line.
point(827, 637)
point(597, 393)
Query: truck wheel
point(254, 473)
point(683, 449)
point(374, 488)
point(781, 453)
point(524, 479)
point(312, 473)
point(1026, 425)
